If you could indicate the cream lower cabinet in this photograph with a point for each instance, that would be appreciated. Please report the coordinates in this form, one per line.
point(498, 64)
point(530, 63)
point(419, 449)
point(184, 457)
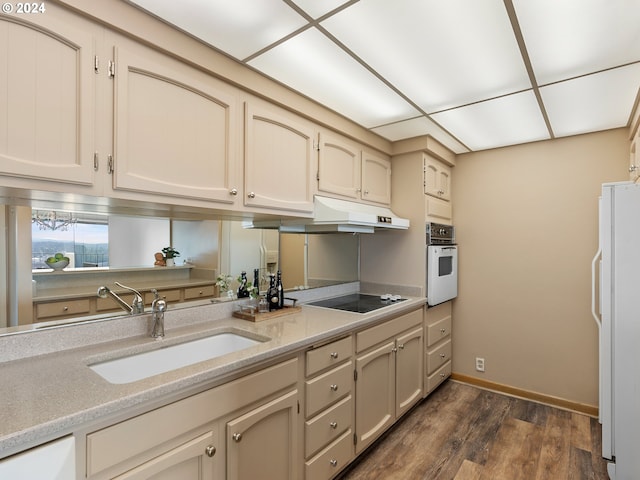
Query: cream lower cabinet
point(328, 429)
point(438, 346)
point(263, 442)
point(389, 366)
point(244, 429)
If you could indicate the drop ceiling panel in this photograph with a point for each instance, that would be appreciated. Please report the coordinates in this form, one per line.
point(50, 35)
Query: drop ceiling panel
point(595, 102)
point(496, 123)
point(239, 28)
point(573, 37)
point(441, 54)
point(313, 65)
point(316, 9)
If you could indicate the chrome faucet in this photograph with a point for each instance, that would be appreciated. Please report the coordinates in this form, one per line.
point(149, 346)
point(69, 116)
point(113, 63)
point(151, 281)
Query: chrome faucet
point(158, 307)
point(137, 306)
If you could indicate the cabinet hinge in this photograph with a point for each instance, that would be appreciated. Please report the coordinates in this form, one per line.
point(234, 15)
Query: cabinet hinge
point(96, 64)
point(110, 165)
point(112, 69)
point(355, 375)
point(96, 161)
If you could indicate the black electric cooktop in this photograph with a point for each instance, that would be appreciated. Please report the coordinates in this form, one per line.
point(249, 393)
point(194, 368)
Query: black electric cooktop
point(357, 302)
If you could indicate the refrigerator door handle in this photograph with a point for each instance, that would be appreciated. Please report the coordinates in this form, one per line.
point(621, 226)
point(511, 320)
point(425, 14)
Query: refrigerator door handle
point(594, 281)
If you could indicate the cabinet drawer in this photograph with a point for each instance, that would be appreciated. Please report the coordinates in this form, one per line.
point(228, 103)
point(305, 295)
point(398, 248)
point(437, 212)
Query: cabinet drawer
point(438, 330)
point(329, 355)
point(374, 335)
point(168, 295)
point(325, 427)
point(199, 292)
point(327, 388)
point(439, 356)
point(331, 460)
point(70, 307)
point(439, 376)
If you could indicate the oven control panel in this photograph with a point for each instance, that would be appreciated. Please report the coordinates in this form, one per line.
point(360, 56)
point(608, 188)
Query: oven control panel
point(440, 234)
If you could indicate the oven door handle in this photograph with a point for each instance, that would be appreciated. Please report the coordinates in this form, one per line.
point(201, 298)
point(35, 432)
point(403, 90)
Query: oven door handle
point(594, 312)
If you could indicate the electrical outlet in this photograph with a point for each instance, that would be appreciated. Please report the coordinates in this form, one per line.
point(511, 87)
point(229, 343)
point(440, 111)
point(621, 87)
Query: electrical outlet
point(480, 364)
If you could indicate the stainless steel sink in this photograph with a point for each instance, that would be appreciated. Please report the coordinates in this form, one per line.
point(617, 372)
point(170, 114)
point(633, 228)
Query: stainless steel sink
point(139, 366)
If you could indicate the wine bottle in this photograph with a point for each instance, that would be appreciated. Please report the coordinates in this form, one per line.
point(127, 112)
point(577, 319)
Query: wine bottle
point(256, 282)
point(280, 290)
point(272, 293)
point(243, 292)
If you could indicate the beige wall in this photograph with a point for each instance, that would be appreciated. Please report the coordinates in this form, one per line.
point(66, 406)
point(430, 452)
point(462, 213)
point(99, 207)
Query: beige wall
point(526, 220)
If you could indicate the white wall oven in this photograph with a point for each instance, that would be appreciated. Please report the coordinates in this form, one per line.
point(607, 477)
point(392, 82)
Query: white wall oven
point(442, 263)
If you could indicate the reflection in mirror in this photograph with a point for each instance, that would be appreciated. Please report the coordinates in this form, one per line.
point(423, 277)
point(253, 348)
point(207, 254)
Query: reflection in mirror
point(207, 247)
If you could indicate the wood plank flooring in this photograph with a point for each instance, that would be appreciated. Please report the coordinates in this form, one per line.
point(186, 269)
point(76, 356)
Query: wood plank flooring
point(461, 432)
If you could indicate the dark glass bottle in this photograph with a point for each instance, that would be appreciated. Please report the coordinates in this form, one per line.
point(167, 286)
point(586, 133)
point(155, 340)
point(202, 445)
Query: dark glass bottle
point(280, 290)
point(243, 292)
point(272, 293)
point(256, 281)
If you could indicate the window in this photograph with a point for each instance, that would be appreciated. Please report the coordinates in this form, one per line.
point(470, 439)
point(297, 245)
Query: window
point(82, 237)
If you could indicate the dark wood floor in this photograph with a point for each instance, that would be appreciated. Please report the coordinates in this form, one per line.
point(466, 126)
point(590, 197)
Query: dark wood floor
point(461, 432)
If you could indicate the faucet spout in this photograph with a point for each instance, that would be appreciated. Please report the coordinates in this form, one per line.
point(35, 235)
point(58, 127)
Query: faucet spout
point(137, 306)
point(158, 307)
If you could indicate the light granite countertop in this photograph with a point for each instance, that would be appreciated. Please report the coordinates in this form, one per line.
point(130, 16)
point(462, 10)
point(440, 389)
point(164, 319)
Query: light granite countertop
point(51, 391)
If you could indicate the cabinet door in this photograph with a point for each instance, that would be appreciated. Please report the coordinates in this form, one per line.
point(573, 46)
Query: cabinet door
point(279, 158)
point(193, 460)
point(437, 179)
point(175, 128)
point(375, 393)
point(376, 178)
point(47, 98)
point(409, 370)
point(339, 167)
point(263, 442)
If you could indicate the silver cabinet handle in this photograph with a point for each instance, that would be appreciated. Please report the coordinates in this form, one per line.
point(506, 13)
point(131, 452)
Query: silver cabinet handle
point(443, 330)
point(333, 462)
point(401, 346)
point(334, 355)
point(333, 425)
point(237, 437)
point(394, 349)
point(210, 451)
point(334, 387)
point(633, 168)
point(251, 195)
point(65, 308)
point(442, 355)
point(233, 191)
point(442, 375)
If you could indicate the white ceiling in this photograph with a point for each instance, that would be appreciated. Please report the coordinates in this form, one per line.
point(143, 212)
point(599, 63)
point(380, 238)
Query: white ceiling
point(475, 74)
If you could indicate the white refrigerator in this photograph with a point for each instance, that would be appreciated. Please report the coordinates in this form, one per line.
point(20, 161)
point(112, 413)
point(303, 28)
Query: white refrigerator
point(616, 309)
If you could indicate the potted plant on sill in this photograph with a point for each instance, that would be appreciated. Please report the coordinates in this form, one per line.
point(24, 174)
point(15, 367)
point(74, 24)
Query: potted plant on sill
point(169, 255)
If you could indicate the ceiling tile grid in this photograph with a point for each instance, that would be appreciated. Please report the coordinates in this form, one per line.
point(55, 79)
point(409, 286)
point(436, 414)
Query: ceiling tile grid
point(474, 74)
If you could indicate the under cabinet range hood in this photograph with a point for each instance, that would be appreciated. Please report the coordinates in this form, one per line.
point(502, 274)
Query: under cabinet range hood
point(331, 215)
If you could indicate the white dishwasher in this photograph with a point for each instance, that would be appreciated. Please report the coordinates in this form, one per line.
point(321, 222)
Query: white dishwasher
point(53, 461)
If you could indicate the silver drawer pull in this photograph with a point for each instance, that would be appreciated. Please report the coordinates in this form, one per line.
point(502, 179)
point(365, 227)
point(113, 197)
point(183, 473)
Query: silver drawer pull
point(210, 451)
point(443, 330)
point(334, 387)
point(237, 437)
point(401, 346)
point(333, 462)
point(334, 355)
point(442, 375)
point(442, 355)
point(333, 425)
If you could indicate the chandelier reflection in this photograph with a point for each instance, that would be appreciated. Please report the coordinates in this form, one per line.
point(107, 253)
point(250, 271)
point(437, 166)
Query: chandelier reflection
point(53, 220)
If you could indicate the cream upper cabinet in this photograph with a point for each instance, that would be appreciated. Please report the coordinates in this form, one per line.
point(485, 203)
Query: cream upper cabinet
point(376, 178)
point(279, 159)
point(437, 178)
point(346, 170)
point(47, 97)
point(339, 166)
point(174, 128)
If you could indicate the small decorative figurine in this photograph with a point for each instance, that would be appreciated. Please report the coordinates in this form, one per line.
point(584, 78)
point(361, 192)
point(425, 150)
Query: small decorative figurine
point(159, 259)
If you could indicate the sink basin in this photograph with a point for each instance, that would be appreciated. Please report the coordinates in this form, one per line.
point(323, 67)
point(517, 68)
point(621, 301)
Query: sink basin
point(143, 365)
